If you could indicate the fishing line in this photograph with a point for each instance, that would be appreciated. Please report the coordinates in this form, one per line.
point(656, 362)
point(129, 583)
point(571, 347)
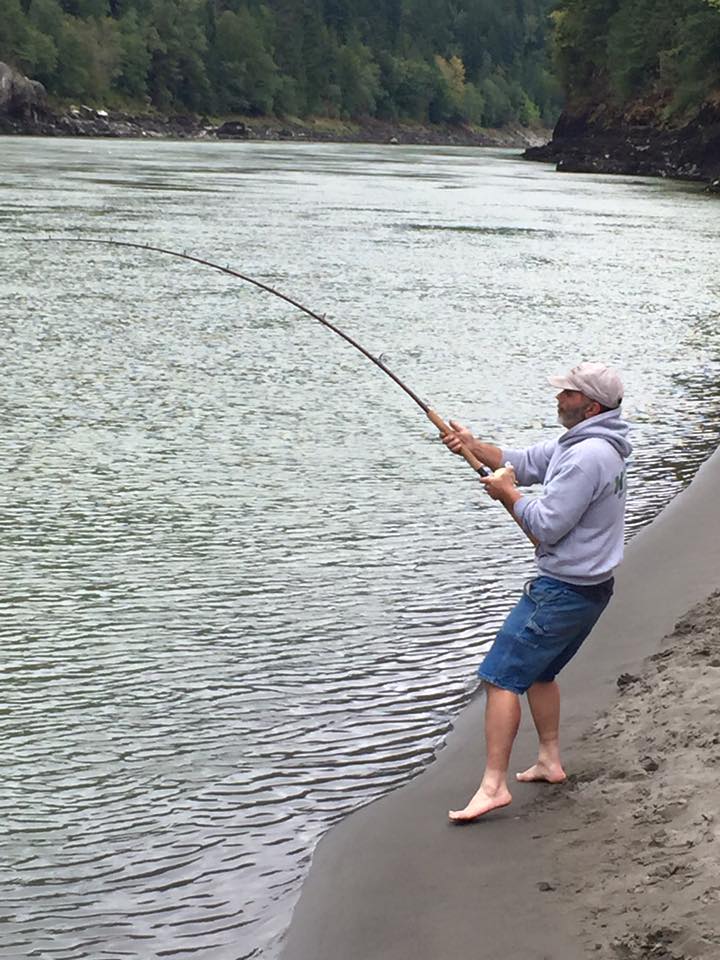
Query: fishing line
point(431, 414)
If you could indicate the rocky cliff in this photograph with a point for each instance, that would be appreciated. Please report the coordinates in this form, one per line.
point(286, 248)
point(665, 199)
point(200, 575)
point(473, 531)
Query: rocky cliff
point(22, 100)
point(636, 140)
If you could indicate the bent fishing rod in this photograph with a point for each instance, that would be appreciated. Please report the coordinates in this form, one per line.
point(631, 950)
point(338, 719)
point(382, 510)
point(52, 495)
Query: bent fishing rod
point(431, 414)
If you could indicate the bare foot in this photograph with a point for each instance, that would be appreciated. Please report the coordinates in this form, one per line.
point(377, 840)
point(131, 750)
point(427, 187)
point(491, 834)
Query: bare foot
point(480, 804)
point(549, 772)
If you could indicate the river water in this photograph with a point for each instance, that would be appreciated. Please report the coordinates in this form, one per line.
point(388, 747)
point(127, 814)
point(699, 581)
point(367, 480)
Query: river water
point(245, 588)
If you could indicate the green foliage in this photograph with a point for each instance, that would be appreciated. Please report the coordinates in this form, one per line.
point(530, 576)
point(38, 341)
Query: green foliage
point(581, 42)
point(178, 43)
point(634, 48)
point(498, 100)
point(452, 72)
point(419, 85)
point(637, 33)
point(244, 74)
point(358, 78)
point(691, 66)
point(473, 106)
point(88, 57)
point(135, 57)
point(425, 60)
point(22, 43)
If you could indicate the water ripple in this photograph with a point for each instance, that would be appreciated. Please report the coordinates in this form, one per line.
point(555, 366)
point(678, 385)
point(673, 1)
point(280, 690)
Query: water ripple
point(245, 589)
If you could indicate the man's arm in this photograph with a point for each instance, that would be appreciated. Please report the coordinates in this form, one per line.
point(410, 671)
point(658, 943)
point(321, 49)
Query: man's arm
point(565, 499)
point(460, 436)
point(531, 463)
point(502, 483)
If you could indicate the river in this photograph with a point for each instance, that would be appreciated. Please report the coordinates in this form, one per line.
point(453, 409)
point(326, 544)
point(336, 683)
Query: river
point(245, 588)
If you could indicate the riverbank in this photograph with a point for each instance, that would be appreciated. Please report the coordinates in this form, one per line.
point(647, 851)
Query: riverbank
point(86, 121)
point(26, 110)
point(619, 863)
point(642, 808)
point(637, 140)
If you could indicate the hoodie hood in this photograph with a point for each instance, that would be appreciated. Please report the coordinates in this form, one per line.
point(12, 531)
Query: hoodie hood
point(608, 426)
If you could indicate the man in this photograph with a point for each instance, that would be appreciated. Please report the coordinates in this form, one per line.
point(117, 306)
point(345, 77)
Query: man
point(577, 522)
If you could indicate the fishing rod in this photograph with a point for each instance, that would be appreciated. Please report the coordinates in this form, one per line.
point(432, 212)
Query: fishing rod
point(431, 414)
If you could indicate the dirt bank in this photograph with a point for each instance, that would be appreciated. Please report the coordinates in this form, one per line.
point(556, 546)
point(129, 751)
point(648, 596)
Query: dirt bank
point(85, 121)
point(637, 858)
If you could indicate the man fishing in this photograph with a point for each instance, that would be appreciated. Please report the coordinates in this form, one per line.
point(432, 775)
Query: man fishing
point(578, 523)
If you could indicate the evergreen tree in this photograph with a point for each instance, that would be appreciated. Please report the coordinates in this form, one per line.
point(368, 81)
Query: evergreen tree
point(135, 56)
point(245, 76)
point(22, 43)
point(358, 79)
point(626, 49)
point(178, 43)
point(428, 60)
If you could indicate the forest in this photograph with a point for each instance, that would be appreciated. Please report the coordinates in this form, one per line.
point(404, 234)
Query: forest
point(665, 52)
point(481, 62)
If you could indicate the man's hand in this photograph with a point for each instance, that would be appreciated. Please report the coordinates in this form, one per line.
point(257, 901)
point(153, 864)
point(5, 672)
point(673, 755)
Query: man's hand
point(502, 485)
point(459, 437)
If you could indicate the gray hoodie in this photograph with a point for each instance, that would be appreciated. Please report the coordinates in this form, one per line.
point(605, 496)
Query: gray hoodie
point(579, 517)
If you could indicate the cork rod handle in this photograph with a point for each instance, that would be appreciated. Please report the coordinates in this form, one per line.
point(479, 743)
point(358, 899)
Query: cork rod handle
point(444, 429)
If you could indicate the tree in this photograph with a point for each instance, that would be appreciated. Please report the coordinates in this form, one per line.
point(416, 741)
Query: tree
point(452, 72)
point(245, 76)
point(135, 56)
point(498, 103)
point(22, 44)
point(628, 49)
point(178, 43)
point(88, 57)
point(581, 42)
point(426, 60)
point(418, 85)
point(358, 78)
point(636, 34)
point(691, 66)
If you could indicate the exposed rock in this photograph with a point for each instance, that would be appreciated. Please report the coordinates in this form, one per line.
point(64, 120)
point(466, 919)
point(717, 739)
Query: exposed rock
point(636, 141)
point(21, 99)
point(625, 679)
point(233, 130)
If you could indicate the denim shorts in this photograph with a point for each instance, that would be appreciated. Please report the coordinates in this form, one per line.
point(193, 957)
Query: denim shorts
point(542, 633)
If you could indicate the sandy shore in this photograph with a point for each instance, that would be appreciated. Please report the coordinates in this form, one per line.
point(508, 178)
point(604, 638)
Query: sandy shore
point(620, 863)
point(642, 808)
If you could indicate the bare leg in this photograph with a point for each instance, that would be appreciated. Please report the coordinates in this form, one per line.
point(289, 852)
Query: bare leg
point(502, 719)
point(544, 699)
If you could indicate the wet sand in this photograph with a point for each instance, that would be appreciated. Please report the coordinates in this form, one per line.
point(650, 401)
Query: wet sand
point(620, 863)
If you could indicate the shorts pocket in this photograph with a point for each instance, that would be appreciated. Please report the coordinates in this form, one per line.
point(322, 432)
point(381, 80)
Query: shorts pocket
point(550, 605)
point(561, 617)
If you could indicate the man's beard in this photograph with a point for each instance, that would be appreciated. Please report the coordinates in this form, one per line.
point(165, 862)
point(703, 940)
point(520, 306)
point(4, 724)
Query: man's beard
point(571, 418)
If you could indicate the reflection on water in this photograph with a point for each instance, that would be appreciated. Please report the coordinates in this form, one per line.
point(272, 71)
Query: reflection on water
point(245, 588)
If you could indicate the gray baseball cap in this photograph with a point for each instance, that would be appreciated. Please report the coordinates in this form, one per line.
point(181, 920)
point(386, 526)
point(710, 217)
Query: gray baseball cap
point(595, 380)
